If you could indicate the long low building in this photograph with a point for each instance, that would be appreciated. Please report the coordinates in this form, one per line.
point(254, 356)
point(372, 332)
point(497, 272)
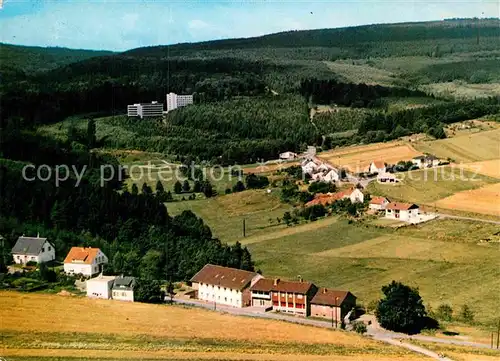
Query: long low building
point(145, 110)
point(283, 296)
point(228, 286)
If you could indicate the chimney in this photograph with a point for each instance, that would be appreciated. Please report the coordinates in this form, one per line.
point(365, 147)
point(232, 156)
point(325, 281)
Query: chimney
point(300, 279)
point(38, 235)
point(276, 281)
point(325, 290)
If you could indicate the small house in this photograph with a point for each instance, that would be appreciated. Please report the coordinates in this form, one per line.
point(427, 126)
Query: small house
point(332, 304)
point(123, 288)
point(288, 155)
point(331, 177)
point(377, 167)
point(406, 212)
point(33, 249)
point(387, 178)
point(100, 287)
point(87, 261)
point(378, 203)
point(425, 161)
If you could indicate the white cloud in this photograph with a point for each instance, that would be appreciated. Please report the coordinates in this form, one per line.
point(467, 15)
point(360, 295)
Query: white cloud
point(197, 24)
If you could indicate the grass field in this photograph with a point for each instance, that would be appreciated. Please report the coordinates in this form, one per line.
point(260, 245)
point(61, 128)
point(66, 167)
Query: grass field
point(482, 200)
point(102, 329)
point(357, 158)
point(462, 90)
point(444, 258)
point(460, 353)
point(427, 186)
point(466, 148)
point(225, 214)
point(361, 73)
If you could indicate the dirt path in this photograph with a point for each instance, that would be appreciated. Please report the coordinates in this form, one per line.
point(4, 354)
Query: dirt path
point(449, 216)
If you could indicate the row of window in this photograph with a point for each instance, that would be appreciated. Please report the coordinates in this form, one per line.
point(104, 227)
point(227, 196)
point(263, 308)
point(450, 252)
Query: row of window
point(299, 296)
point(49, 248)
point(218, 287)
point(289, 305)
point(32, 258)
point(119, 293)
point(212, 296)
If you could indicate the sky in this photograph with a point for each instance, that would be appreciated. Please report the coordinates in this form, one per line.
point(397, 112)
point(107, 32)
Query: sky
point(125, 24)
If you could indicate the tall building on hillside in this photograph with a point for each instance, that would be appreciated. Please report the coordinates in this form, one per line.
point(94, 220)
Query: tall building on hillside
point(175, 101)
point(153, 109)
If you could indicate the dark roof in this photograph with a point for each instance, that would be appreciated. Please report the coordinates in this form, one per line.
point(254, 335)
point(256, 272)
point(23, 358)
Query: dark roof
point(275, 285)
point(29, 245)
point(124, 282)
point(233, 278)
point(328, 297)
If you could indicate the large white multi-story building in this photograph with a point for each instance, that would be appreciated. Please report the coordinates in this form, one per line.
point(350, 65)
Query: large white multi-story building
point(175, 101)
point(228, 286)
point(153, 109)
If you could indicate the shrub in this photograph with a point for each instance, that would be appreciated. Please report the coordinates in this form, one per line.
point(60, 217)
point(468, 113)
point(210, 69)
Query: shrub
point(359, 327)
point(466, 314)
point(444, 312)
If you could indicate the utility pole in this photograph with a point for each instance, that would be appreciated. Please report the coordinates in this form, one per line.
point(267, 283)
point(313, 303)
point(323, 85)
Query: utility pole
point(498, 334)
point(336, 303)
point(244, 227)
point(492, 339)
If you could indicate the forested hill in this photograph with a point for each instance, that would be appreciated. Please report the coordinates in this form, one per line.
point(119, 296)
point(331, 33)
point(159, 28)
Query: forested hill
point(343, 37)
point(35, 58)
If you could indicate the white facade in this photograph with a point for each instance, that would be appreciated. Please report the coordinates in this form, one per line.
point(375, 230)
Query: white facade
point(123, 295)
point(175, 101)
point(309, 167)
point(153, 109)
point(376, 169)
point(222, 295)
point(357, 196)
point(84, 268)
point(288, 155)
point(378, 206)
point(425, 162)
point(331, 176)
point(410, 215)
point(47, 254)
point(100, 287)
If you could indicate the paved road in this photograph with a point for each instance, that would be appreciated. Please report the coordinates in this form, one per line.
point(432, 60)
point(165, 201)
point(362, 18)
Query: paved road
point(373, 330)
point(441, 215)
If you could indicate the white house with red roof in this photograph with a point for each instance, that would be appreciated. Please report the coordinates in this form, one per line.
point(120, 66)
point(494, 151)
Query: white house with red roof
point(407, 212)
point(378, 203)
point(377, 167)
point(87, 261)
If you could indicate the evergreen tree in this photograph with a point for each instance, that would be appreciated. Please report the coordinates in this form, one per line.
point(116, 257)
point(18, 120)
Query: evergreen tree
point(160, 192)
point(185, 186)
point(91, 133)
point(135, 190)
point(178, 187)
point(239, 187)
point(197, 186)
point(146, 190)
point(118, 262)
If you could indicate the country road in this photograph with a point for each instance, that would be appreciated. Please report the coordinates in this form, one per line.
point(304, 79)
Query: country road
point(449, 216)
point(373, 330)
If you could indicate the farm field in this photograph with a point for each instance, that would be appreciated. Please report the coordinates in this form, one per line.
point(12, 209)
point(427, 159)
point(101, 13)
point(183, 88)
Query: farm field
point(363, 258)
point(357, 158)
point(427, 186)
point(128, 331)
point(460, 353)
point(482, 200)
point(466, 148)
point(224, 214)
point(488, 167)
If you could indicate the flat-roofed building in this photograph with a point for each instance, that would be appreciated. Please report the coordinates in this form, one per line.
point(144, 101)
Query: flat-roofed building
point(153, 109)
point(175, 101)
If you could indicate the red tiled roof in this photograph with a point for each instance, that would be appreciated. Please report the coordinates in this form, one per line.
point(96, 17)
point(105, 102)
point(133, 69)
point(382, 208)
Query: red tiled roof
point(268, 285)
point(378, 200)
point(329, 297)
point(328, 198)
point(401, 206)
point(81, 255)
point(379, 164)
point(233, 278)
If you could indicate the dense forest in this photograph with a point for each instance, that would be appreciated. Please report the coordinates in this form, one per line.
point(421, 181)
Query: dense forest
point(134, 230)
point(331, 91)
